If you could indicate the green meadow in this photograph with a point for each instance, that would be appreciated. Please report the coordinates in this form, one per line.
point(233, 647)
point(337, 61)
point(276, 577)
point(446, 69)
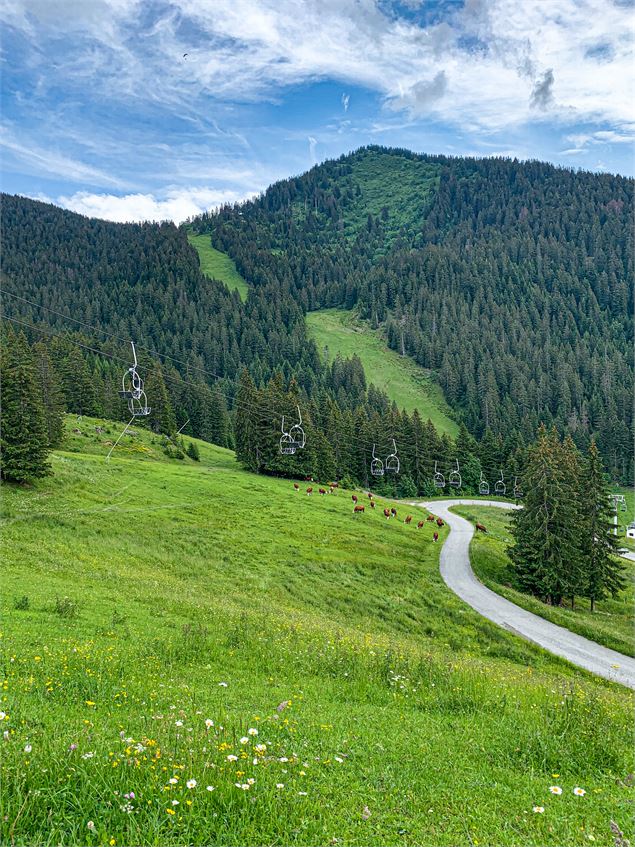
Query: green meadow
point(196, 655)
point(218, 265)
point(411, 387)
point(610, 624)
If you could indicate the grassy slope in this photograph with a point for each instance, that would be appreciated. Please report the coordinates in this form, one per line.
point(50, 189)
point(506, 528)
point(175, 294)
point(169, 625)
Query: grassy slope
point(612, 622)
point(217, 265)
point(403, 381)
point(402, 700)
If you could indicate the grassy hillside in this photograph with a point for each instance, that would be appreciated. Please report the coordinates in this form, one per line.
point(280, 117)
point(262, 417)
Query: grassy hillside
point(218, 265)
point(611, 623)
point(157, 613)
point(403, 381)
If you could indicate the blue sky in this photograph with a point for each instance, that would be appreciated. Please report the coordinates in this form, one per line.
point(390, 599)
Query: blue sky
point(103, 113)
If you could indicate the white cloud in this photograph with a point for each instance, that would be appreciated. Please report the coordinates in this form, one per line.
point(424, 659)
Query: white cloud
point(478, 68)
point(174, 204)
point(345, 101)
point(312, 146)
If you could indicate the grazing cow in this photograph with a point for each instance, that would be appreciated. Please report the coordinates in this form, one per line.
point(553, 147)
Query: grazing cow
point(370, 495)
point(322, 491)
point(440, 522)
point(309, 491)
point(372, 504)
point(480, 528)
point(308, 479)
point(393, 512)
point(435, 537)
point(430, 518)
point(358, 508)
point(387, 514)
point(420, 525)
point(296, 486)
point(354, 498)
point(408, 519)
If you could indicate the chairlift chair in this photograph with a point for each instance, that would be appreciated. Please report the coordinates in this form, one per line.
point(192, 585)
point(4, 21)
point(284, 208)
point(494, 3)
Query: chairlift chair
point(297, 433)
point(454, 477)
point(438, 479)
point(392, 461)
point(287, 442)
point(518, 489)
point(376, 465)
point(483, 486)
point(500, 487)
point(132, 389)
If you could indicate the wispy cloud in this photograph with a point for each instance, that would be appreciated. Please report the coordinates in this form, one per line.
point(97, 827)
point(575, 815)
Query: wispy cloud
point(346, 98)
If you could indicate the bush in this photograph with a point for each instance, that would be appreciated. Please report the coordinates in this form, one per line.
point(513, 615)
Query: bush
point(22, 603)
point(193, 452)
point(66, 608)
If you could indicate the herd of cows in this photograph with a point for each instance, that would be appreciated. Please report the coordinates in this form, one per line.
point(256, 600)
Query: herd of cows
point(359, 508)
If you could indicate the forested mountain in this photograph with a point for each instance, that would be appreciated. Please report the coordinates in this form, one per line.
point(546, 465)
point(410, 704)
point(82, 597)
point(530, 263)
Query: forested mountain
point(512, 281)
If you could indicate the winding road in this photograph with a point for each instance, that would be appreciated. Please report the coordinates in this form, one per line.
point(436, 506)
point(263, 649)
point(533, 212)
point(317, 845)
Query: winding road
point(460, 578)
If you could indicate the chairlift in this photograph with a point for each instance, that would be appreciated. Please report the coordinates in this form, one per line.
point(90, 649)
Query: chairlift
point(287, 442)
point(483, 486)
point(376, 465)
point(392, 461)
point(132, 389)
point(438, 479)
point(518, 489)
point(454, 477)
point(500, 487)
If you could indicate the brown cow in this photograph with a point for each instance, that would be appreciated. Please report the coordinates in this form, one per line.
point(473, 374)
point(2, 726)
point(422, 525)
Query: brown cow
point(308, 479)
point(440, 522)
point(435, 537)
point(309, 491)
point(387, 514)
point(393, 512)
point(296, 486)
point(358, 508)
point(420, 525)
point(370, 495)
point(322, 491)
point(372, 504)
point(430, 518)
point(354, 498)
point(480, 528)
point(408, 519)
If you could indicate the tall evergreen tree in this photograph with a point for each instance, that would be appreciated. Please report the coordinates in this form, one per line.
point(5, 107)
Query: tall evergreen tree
point(51, 393)
point(604, 574)
point(247, 423)
point(23, 432)
point(161, 417)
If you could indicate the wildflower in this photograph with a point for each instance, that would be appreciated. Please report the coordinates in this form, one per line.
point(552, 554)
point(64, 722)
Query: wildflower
point(89, 703)
point(72, 747)
point(129, 796)
point(88, 755)
point(252, 731)
point(91, 826)
point(5, 735)
point(178, 723)
point(209, 723)
point(555, 789)
point(260, 748)
point(244, 740)
point(366, 813)
point(191, 783)
point(302, 793)
point(251, 781)
point(2, 715)
point(170, 811)
point(173, 780)
point(539, 809)
point(210, 788)
point(175, 802)
point(283, 759)
point(279, 784)
point(27, 748)
point(232, 758)
point(579, 792)
point(339, 759)
point(112, 842)
point(223, 684)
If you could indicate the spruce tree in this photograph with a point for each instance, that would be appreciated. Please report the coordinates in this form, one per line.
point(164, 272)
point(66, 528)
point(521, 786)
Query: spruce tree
point(161, 417)
point(247, 422)
point(546, 531)
point(24, 443)
point(51, 393)
point(604, 574)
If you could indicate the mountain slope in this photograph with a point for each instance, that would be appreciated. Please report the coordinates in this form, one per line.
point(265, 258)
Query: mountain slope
point(509, 280)
point(147, 595)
